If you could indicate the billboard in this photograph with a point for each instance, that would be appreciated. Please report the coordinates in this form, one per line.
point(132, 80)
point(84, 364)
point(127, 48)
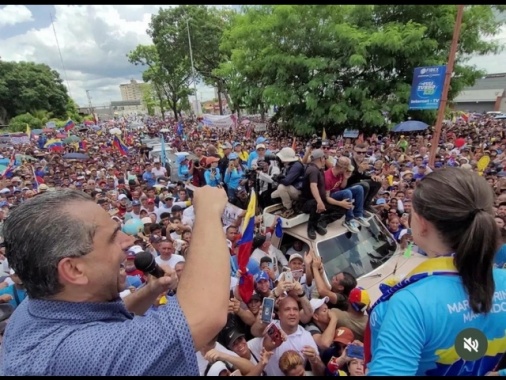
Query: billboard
point(427, 88)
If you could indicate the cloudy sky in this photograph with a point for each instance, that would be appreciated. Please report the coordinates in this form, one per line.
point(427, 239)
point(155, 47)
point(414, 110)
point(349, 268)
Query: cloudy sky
point(94, 41)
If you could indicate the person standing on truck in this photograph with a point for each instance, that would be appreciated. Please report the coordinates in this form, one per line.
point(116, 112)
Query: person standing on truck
point(314, 198)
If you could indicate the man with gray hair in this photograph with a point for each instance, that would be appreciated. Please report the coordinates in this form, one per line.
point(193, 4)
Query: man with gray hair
point(349, 198)
point(68, 252)
point(314, 199)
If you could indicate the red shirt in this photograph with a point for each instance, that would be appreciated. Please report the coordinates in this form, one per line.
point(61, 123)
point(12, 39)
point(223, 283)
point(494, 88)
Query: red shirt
point(332, 182)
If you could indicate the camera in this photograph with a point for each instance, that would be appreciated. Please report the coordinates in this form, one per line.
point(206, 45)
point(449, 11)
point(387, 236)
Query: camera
point(316, 142)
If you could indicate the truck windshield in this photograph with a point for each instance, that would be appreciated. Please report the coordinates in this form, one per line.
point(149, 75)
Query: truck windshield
point(357, 254)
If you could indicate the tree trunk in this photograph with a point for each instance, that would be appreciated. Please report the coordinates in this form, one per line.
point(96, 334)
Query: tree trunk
point(219, 98)
point(174, 109)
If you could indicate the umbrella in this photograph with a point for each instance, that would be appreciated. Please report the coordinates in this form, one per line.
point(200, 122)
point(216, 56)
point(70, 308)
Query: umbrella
point(75, 156)
point(24, 157)
point(96, 127)
point(164, 130)
point(115, 131)
point(410, 126)
point(245, 122)
point(71, 139)
point(36, 131)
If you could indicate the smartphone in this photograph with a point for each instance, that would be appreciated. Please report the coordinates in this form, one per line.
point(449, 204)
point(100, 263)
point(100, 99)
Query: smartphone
point(274, 333)
point(267, 309)
point(297, 274)
point(405, 215)
point(289, 276)
point(271, 266)
point(356, 352)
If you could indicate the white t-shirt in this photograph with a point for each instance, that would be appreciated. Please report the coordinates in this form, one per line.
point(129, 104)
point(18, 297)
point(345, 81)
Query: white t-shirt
point(162, 172)
point(202, 362)
point(295, 341)
point(174, 259)
point(188, 218)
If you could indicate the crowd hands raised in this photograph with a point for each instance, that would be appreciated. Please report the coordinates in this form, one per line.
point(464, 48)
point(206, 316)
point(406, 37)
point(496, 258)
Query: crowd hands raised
point(315, 327)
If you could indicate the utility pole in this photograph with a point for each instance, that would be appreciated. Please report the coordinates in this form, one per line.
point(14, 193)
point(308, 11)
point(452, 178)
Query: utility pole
point(193, 68)
point(90, 106)
point(446, 86)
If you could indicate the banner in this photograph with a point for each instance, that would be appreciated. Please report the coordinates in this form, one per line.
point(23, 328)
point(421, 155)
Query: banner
point(218, 121)
point(260, 127)
point(351, 133)
point(427, 87)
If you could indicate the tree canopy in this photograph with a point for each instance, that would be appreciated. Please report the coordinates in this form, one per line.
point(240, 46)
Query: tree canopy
point(28, 87)
point(347, 66)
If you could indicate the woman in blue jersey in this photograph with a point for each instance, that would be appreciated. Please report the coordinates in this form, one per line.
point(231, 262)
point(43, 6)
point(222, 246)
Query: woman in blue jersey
point(414, 325)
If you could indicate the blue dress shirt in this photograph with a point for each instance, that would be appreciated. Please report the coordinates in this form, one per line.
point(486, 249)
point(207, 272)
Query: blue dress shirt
point(58, 338)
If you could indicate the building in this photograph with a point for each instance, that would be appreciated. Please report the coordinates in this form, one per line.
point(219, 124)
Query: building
point(487, 94)
point(132, 91)
point(126, 107)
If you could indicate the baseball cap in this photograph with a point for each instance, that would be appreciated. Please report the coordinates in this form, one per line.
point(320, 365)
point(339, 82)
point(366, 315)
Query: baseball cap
point(381, 201)
point(135, 249)
point(316, 303)
point(344, 335)
point(359, 299)
point(122, 196)
point(316, 154)
point(294, 256)
point(217, 368)
point(146, 220)
point(130, 256)
point(232, 336)
point(262, 276)
point(136, 203)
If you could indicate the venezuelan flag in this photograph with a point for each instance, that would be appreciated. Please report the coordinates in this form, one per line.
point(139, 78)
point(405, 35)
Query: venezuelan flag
point(120, 145)
point(246, 282)
point(70, 125)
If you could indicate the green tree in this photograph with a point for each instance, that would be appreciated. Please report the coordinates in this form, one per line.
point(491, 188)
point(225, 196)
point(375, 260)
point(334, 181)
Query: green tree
point(167, 32)
point(19, 123)
point(206, 26)
point(338, 67)
point(30, 87)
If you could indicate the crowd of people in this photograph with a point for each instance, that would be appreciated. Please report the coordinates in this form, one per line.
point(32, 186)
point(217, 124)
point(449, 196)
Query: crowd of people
point(62, 252)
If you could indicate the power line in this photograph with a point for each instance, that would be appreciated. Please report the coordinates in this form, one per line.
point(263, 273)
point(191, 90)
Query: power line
point(61, 57)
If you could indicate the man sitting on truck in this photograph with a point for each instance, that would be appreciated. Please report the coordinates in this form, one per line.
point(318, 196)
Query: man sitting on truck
point(313, 198)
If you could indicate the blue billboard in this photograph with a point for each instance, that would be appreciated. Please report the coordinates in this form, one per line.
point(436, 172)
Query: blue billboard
point(427, 88)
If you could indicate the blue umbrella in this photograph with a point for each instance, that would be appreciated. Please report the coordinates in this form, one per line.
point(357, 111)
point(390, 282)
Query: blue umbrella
point(410, 126)
point(36, 131)
point(75, 156)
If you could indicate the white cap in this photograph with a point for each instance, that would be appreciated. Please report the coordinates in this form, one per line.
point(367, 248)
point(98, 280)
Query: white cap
point(146, 220)
point(135, 249)
point(294, 256)
point(122, 196)
point(216, 369)
point(317, 303)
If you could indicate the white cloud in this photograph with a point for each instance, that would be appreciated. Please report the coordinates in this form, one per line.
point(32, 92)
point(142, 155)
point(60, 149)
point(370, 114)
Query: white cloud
point(94, 41)
point(14, 14)
point(492, 63)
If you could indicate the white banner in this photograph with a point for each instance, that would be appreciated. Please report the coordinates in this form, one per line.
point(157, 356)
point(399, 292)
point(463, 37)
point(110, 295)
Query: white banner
point(260, 127)
point(218, 121)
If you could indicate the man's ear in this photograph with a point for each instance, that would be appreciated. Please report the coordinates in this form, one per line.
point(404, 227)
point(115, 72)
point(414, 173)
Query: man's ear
point(71, 271)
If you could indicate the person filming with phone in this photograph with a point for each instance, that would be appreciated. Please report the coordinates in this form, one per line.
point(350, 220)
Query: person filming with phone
point(351, 198)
